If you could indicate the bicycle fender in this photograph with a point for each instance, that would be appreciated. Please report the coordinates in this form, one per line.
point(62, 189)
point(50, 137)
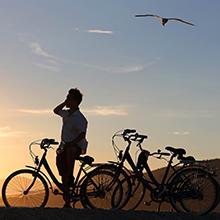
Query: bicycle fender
point(183, 169)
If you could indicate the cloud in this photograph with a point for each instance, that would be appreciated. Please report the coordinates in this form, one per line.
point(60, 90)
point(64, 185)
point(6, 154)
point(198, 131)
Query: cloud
point(5, 128)
point(49, 61)
point(130, 68)
point(126, 69)
point(182, 114)
point(45, 59)
point(122, 69)
point(111, 69)
point(48, 67)
point(54, 62)
point(106, 111)
point(96, 111)
point(8, 132)
point(183, 133)
point(38, 50)
point(97, 31)
point(35, 111)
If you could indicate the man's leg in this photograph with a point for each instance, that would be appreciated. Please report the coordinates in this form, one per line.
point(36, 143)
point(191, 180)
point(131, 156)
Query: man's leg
point(71, 153)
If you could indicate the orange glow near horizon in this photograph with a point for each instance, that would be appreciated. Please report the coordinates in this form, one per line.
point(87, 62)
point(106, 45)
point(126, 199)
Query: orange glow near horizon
point(15, 155)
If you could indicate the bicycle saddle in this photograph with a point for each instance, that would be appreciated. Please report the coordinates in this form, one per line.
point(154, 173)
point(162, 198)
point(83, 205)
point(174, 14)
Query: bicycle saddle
point(86, 159)
point(187, 160)
point(178, 151)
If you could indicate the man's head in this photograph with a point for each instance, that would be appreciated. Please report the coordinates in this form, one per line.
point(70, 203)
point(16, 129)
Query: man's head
point(74, 98)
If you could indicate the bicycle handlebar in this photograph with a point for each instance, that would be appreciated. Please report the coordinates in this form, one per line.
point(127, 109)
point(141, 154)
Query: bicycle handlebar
point(129, 136)
point(139, 137)
point(128, 131)
point(46, 142)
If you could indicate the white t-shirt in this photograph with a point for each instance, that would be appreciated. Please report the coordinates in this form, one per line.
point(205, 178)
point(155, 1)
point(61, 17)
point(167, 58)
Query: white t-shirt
point(73, 125)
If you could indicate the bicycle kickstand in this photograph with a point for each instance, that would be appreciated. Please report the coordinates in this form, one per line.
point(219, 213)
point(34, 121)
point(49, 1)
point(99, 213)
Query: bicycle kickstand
point(148, 203)
point(74, 203)
point(159, 206)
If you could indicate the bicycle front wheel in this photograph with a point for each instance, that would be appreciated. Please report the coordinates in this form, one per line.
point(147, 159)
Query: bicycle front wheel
point(137, 194)
point(98, 188)
point(123, 175)
point(25, 188)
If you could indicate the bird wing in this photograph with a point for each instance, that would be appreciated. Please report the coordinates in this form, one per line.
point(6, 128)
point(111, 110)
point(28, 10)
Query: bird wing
point(178, 19)
point(148, 15)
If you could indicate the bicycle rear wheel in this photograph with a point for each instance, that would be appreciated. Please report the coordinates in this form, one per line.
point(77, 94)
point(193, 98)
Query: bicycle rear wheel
point(196, 191)
point(97, 189)
point(25, 188)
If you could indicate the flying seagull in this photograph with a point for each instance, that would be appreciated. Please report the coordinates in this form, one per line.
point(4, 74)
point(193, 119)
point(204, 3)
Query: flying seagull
point(163, 20)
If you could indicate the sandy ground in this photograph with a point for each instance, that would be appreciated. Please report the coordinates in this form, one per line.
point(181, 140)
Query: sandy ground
point(78, 214)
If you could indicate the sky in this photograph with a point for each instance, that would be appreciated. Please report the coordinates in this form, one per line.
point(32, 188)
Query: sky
point(133, 72)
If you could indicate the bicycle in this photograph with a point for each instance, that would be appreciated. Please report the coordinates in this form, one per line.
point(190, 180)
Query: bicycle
point(29, 187)
point(124, 174)
point(184, 189)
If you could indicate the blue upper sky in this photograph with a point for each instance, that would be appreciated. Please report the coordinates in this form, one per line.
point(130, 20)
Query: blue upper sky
point(133, 72)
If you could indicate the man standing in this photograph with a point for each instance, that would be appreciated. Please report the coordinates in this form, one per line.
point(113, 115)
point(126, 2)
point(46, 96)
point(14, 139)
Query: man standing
point(73, 139)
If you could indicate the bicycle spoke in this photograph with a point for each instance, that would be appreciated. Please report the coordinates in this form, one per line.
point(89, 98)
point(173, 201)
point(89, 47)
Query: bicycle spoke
point(15, 194)
point(98, 196)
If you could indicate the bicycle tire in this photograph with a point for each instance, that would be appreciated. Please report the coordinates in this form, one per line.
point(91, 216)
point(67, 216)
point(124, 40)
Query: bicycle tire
point(124, 177)
point(174, 185)
point(137, 194)
point(196, 192)
point(96, 190)
point(13, 190)
point(206, 187)
point(174, 182)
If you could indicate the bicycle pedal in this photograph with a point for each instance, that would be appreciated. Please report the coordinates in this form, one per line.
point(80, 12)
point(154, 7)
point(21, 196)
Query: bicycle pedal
point(74, 198)
point(148, 203)
point(56, 192)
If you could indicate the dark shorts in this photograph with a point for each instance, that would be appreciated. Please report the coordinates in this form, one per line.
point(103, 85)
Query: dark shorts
point(65, 160)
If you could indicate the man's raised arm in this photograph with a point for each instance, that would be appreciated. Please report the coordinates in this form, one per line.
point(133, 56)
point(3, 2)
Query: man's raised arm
point(59, 107)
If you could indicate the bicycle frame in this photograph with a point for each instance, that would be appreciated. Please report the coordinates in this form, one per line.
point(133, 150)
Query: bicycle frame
point(138, 171)
point(34, 181)
point(143, 164)
point(43, 162)
point(37, 169)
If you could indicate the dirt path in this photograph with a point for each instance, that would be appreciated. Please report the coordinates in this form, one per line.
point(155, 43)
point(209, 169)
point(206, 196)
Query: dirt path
point(82, 214)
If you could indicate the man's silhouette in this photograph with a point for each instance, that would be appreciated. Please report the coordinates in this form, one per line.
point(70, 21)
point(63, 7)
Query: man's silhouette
point(73, 139)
